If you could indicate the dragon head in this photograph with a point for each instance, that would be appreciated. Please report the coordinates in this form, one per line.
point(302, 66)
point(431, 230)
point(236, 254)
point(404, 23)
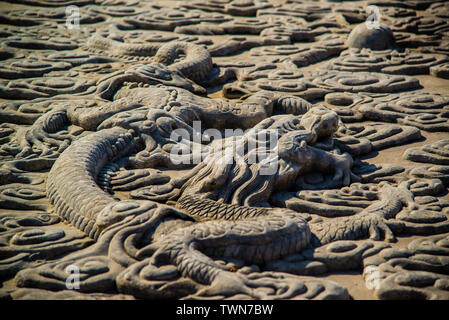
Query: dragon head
point(151, 74)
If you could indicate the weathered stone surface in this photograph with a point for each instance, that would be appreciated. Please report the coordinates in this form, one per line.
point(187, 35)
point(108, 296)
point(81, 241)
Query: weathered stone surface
point(389, 61)
point(105, 173)
point(425, 111)
point(420, 274)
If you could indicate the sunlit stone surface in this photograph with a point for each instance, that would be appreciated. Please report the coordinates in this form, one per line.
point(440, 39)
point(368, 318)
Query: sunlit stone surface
point(224, 149)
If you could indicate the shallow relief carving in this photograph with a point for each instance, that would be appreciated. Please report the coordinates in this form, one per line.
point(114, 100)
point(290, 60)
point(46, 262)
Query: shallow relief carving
point(91, 190)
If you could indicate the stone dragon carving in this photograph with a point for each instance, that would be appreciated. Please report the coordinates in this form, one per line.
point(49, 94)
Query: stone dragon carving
point(231, 221)
point(103, 166)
